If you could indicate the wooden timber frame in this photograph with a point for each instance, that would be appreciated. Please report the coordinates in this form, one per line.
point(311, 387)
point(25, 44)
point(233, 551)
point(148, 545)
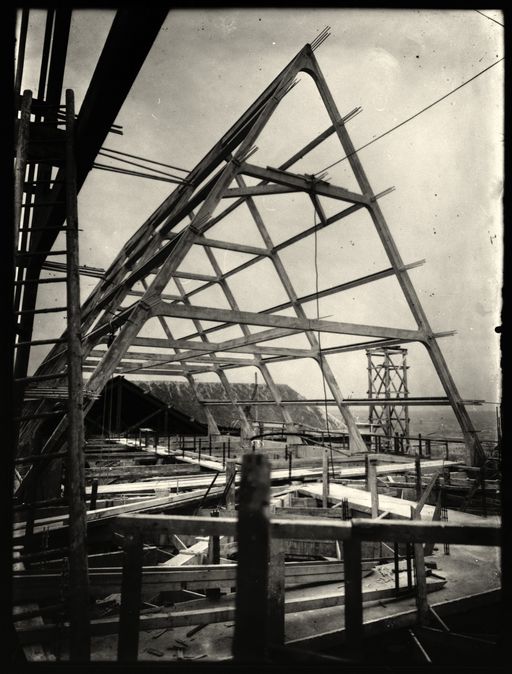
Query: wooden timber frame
point(260, 611)
point(153, 256)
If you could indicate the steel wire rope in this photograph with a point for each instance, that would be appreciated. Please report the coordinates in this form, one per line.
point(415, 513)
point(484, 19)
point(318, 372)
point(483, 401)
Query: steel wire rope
point(320, 357)
point(416, 114)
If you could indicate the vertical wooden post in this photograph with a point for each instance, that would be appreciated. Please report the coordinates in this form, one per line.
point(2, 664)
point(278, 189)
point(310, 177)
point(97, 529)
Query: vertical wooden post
point(21, 160)
point(396, 560)
point(131, 583)
point(353, 594)
point(276, 593)
point(421, 579)
point(223, 453)
point(409, 566)
point(290, 460)
point(429, 547)
point(325, 479)
point(213, 558)
point(372, 480)
point(80, 640)
point(253, 533)
point(94, 494)
point(420, 447)
point(417, 468)
point(231, 481)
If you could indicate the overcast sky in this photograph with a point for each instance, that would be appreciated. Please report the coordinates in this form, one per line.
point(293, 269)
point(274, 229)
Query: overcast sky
point(207, 67)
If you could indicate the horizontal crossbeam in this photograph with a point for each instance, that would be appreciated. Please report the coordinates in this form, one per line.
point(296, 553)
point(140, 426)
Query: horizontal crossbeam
point(351, 401)
point(161, 308)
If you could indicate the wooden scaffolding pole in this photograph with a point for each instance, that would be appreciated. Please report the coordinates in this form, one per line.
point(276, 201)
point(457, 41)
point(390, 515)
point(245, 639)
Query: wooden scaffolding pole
point(79, 584)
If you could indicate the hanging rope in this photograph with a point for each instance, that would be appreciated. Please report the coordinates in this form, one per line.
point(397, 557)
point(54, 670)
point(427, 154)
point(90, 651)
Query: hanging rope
point(317, 300)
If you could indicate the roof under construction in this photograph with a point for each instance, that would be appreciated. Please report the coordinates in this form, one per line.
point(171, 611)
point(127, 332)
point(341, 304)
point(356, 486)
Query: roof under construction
point(272, 255)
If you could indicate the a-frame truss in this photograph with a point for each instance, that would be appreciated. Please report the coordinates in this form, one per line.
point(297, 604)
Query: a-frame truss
point(153, 256)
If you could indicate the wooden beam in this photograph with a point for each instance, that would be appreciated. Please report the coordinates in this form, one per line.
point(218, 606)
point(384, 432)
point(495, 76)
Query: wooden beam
point(161, 308)
point(363, 280)
point(325, 478)
point(207, 615)
point(484, 533)
point(372, 484)
point(421, 578)
point(361, 402)
point(257, 190)
point(302, 183)
point(80, 646)
point(169, 576)
point(228, 245)
point(426, 493)
point(474, 448)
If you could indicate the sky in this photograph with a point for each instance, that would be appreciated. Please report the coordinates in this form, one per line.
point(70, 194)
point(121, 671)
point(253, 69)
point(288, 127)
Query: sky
point(207, 66)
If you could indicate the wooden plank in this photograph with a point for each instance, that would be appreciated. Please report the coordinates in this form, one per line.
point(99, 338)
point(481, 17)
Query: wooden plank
point(102, 514)
point(223, 613)
point(250, 638)
point(402, 619)
point(169, 576)
point(483, 533)
point(192, 555)
point(140, 472)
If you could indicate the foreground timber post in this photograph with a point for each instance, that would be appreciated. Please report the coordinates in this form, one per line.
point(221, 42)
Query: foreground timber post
point(353, 595)
point(276, 593)
point(80, 640)
point(131, 584)
point(250, 638)
point(230, 484)
point(421, 578)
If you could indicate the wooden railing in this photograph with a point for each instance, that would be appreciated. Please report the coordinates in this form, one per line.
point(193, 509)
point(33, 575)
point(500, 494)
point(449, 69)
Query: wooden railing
point(259, 614)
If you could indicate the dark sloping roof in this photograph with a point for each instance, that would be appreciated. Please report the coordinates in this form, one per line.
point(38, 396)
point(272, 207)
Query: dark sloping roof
point(124, 405)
